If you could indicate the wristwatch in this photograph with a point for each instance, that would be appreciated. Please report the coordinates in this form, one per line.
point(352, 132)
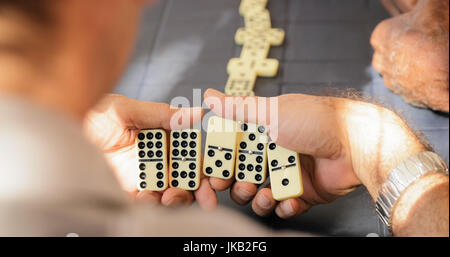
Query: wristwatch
point(401, 177)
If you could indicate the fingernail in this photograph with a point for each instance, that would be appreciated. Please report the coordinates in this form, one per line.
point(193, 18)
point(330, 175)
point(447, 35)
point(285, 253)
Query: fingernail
point(245, 194)
point(287, 208)
point(264, 202)
point(175, 201)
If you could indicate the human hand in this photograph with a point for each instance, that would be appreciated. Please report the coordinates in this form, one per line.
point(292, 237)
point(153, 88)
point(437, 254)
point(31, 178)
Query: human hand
point(342, 143)
point(113, 125)
point(411, 53)
point(307, 125)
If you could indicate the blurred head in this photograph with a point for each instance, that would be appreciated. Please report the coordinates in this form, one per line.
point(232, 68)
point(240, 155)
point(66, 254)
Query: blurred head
point(71, 48)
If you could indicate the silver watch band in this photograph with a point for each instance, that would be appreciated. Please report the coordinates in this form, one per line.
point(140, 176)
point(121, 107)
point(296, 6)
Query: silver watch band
point(404, 174)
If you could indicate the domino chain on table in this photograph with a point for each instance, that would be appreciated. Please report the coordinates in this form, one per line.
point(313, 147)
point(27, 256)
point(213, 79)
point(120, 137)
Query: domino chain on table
point(232, 149)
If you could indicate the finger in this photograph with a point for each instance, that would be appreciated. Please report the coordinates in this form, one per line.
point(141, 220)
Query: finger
point(148, 197)
point(405, 5)
point(391, 7)
point(381, 35)
point(291, 207)
point(176, 197)
point(161, 115)
point(206, 197)
point(307, 134)
point(243, 192)
point(220, 184)
point(247, 109)
point(263, 204)
point(377, 62)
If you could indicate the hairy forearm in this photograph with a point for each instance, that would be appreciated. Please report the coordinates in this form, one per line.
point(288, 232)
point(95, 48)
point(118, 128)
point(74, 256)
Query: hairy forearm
point(378, 141)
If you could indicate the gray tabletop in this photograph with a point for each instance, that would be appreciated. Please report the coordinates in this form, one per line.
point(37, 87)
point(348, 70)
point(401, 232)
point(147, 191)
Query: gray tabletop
point(186, 44)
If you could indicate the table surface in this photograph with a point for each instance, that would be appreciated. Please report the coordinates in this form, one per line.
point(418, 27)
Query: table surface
point(185, 45)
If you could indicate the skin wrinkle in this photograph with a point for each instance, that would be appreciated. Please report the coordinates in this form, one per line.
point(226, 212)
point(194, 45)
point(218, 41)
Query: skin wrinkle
point(421, 80)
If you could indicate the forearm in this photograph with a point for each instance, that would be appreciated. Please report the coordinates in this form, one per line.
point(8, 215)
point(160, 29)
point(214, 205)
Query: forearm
point(378, 141)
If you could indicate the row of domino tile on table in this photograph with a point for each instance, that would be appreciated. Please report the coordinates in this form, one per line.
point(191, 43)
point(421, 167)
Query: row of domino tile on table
point(256, 39)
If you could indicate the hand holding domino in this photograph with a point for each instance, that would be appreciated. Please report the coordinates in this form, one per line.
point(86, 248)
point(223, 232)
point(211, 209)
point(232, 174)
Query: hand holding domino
point(297, 181)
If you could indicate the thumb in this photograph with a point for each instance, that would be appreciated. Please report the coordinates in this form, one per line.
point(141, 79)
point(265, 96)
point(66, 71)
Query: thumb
point(161, 115)
point(301, 123)
point(252, 109)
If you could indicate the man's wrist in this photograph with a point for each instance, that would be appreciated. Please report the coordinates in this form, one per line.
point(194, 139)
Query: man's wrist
point(379, 140)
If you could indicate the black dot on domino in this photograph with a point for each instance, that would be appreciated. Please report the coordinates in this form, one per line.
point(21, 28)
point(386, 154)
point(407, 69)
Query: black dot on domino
point(183, 174)
point(141, 136)
point(158, 144)
point(291, 159)
point(175, 152)
point(184, 144)
point(252, 137)
point(176, 134)
point(192, 166)
point(241, 175)
point(175, 174)
point(242, 157)
point(159, 153)
point(158, 135)
point(192, 144)
point(258, 177)
point(243, 145)
point(272, 146)
point(160, 175)
point(219, 163)
point(184, 152)
point(175, 143)
point(150, 144)
point(192, 153)
point(285, 182)
point(193, 135)
point(142, 166)
point(174, 183)
point(150, 135)
point(228, 156)
point(259, 159)
point(244, 127)
point(192, 174)
point(141, 145)
point(184, 135)
point(226, 173)
point(175, 165)
point(143, 184)
point(274, 163)
point(260, 146)
point(250, 167)
point(211, 153)
point(159, 166)
point(209, 170)
point(142, 175)
point(242, 166)
point(258, 168)
point(150, 154)
point(141, 154)
point(191, 184)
